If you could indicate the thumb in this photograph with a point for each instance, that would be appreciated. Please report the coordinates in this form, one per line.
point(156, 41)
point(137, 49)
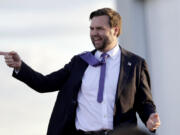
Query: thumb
point(15, 55)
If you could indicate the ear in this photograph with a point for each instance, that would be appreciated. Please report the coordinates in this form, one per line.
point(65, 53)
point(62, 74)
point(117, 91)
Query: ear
point(116, 31)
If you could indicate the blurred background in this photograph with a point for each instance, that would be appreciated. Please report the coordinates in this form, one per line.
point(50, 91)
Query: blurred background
point(46, 34)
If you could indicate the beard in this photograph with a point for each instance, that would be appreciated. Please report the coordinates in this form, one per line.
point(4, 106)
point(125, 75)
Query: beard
point(101, 44)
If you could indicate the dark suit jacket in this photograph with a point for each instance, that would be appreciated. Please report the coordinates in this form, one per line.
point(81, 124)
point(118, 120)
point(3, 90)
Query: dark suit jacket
point(133, 91)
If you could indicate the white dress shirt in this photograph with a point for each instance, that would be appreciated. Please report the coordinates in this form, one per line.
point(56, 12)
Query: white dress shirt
point(90, 114)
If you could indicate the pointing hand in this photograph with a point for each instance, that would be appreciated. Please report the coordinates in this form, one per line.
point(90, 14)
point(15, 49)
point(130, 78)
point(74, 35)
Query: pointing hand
point(12, 59)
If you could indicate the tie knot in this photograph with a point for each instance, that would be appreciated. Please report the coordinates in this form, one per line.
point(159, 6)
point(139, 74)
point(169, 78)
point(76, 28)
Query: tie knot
point(104, 57)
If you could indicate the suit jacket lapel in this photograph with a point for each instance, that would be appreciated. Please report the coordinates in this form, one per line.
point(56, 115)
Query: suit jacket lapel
point(125, 68)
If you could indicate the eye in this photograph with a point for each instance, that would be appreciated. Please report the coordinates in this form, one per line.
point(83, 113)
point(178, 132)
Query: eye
point(91, 28)
point(100, 28)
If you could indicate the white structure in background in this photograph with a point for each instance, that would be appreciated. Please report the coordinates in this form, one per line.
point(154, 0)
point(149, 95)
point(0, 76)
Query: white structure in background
point(151, 28)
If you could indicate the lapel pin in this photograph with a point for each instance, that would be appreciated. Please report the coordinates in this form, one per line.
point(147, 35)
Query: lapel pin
point(129, 63)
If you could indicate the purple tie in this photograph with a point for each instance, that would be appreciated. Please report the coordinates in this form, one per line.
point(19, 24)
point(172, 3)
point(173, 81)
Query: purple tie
point(102, 77)
point(90, 59)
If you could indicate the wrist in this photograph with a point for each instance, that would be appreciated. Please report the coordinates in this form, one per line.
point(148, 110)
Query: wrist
point(18, 67)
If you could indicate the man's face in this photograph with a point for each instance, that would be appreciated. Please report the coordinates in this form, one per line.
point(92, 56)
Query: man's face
point(102, 35)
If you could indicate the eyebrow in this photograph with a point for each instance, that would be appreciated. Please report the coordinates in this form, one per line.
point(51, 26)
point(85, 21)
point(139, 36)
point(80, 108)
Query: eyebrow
point(98, 27)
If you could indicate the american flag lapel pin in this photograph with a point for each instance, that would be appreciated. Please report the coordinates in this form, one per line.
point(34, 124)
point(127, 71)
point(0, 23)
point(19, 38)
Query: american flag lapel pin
point(129, 63)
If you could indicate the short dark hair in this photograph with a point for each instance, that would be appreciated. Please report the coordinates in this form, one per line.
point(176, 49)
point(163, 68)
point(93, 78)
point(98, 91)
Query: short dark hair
point(114, 17)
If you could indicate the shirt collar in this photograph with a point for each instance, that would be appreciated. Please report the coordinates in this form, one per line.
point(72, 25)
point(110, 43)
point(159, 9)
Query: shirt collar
point(113, 53)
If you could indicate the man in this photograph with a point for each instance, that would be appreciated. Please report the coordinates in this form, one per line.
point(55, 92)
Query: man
point(98, 90)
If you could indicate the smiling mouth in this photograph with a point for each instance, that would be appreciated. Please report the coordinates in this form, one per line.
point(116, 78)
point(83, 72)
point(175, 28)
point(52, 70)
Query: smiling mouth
point(97, 39)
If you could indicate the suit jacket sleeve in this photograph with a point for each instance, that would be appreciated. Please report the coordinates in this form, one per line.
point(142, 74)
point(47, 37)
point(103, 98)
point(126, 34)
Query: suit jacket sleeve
point(144, 103)
point(42, 83)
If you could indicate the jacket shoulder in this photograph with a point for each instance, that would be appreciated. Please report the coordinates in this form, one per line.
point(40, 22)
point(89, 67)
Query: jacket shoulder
point(132, 56)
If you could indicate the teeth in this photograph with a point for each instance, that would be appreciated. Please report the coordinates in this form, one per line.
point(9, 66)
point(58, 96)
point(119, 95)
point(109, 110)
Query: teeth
point(96, 39)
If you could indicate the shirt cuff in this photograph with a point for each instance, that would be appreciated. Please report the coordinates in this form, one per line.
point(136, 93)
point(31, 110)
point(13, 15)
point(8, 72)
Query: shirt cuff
point(16, 71)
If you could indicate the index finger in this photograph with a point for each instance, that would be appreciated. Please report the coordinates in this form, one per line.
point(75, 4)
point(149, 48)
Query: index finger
point(3, 53)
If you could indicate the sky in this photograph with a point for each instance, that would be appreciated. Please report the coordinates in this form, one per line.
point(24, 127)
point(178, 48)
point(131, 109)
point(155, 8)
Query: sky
point(46, 34)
